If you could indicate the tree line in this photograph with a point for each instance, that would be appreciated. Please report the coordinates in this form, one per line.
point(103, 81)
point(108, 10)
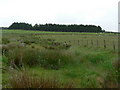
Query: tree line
point(57, 27)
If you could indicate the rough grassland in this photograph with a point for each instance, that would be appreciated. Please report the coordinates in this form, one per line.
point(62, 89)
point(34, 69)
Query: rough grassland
point(65, 59)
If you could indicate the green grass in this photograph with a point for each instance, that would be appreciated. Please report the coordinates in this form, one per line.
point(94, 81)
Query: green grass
point(85, 66)
point(74, 38)
point(84, 73)
point(25, 31)
point(48, 32)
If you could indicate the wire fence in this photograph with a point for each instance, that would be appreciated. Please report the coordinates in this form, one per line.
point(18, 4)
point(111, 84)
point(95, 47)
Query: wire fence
point(105, 44)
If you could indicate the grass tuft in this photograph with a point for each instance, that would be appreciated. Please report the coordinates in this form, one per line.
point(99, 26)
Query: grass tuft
point(22, 79)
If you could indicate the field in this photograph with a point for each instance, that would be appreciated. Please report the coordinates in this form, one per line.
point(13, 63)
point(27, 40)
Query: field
point(40, 59)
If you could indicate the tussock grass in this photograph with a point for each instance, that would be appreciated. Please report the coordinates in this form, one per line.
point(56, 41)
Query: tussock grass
point(42, 57)
point(10, 46)
point(22, 79)
point(55, 59)
point(5, 41)
point(68, 55)
point(22, 56)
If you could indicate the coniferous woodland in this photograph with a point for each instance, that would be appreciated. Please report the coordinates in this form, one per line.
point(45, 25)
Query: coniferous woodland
point(57, 27)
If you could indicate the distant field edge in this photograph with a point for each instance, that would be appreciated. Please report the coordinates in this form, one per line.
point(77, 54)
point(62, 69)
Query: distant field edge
point(47, 32)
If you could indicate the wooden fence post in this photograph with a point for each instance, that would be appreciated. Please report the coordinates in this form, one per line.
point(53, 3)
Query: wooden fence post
point(87, 43)
point(104, 44)
point(114, 45)
point(92, 43)
point(78, 42)
point(97, 43)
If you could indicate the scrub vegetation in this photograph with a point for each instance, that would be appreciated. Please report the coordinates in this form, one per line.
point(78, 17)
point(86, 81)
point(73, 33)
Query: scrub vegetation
point(37, 59)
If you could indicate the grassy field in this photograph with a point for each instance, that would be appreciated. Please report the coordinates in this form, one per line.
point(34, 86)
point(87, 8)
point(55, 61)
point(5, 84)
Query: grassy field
point(59, 59)
point(28, 32)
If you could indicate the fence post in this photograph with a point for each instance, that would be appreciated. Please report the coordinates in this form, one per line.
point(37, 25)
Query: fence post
point(97, 43)
point(92, 43)
point(113, 45)
point(104, 44)
point(87, 43)
point(78, 42)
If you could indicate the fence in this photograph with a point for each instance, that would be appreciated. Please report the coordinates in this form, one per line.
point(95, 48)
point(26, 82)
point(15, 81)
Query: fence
point(95, 43)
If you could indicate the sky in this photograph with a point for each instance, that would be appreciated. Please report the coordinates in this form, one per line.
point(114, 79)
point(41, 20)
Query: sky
point(119, 16)
point(91, 12)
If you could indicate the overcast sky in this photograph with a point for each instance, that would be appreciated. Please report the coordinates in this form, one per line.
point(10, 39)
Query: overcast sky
point(95, 12)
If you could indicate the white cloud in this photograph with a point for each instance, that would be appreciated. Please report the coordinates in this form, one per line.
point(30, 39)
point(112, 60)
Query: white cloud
point(98, 12)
